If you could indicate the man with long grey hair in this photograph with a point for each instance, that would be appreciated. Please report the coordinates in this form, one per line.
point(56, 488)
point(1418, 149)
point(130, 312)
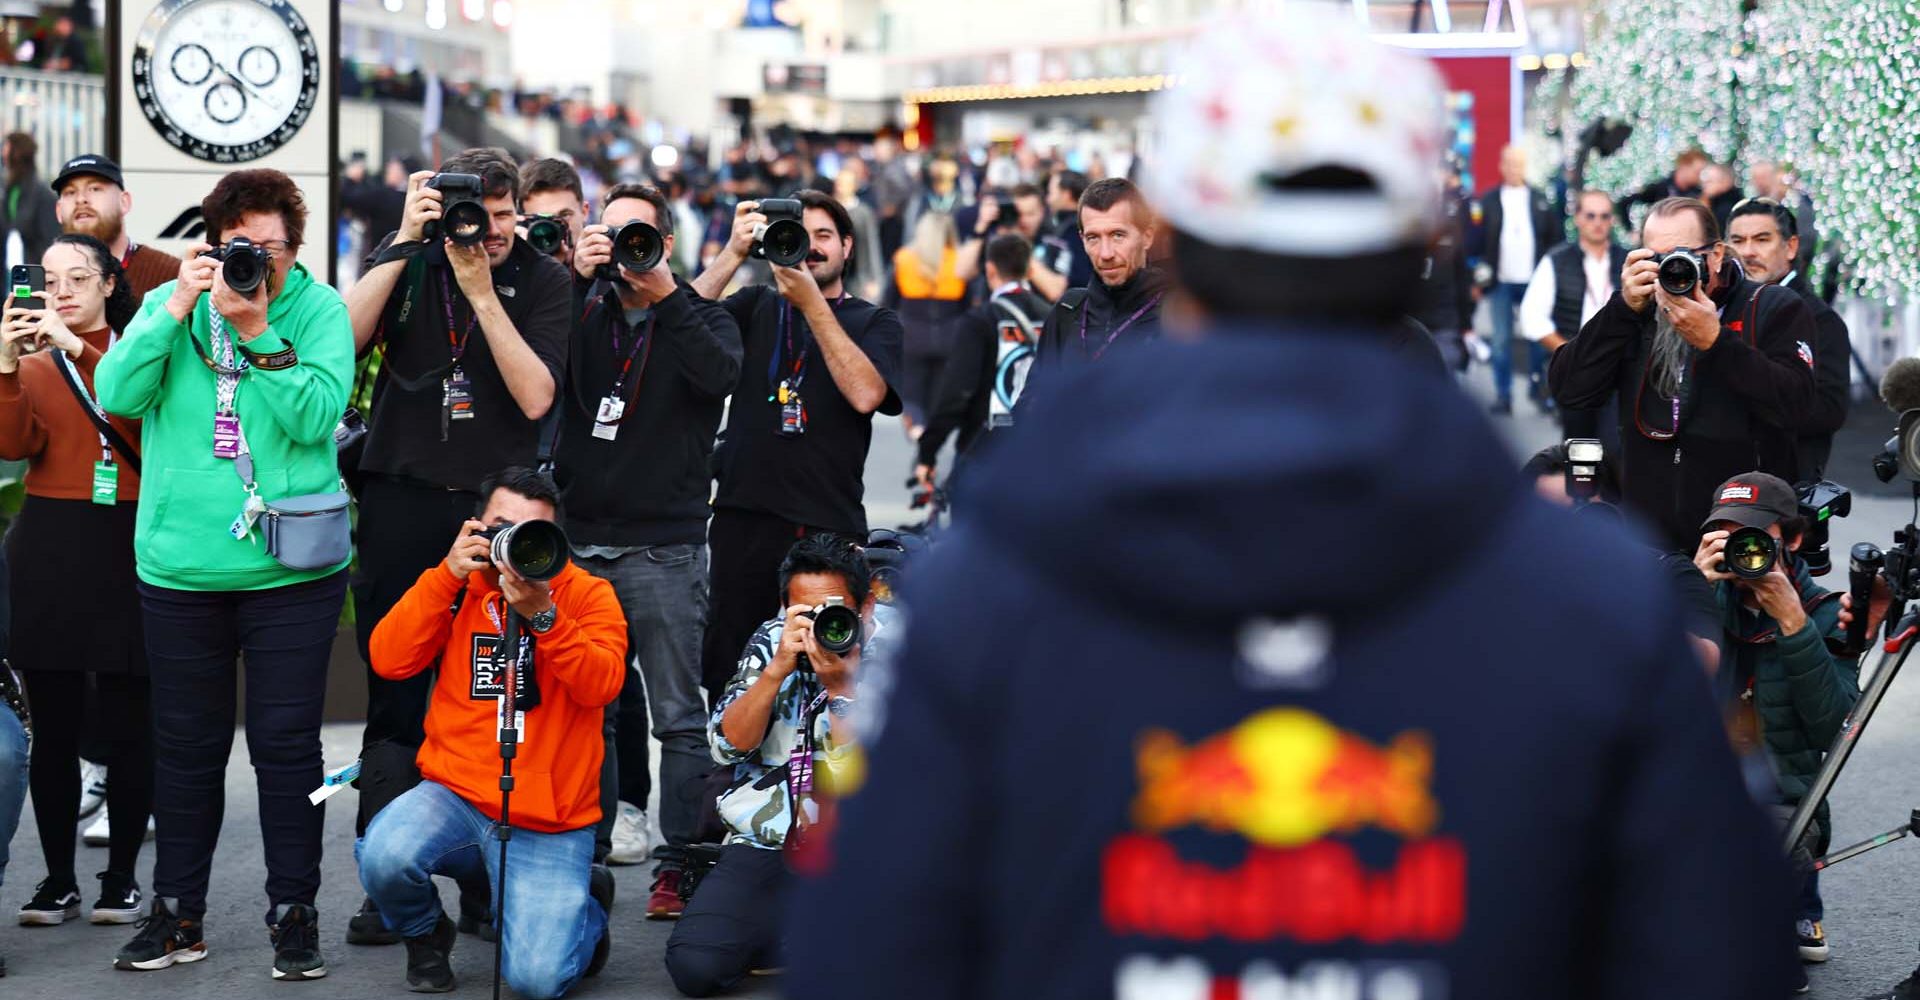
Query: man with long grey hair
point(1714, 371)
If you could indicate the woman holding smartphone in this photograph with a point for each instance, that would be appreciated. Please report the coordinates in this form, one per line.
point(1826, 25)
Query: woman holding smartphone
point(75, 536)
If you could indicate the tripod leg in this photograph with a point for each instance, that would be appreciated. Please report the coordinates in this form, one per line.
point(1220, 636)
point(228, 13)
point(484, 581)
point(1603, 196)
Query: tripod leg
point(1844, 743)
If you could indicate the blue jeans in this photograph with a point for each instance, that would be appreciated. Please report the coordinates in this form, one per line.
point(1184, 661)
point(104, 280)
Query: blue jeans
point(13, 779)
point(663, 590)
point(1503, 300)
point(1812, 907)
point(552, 924)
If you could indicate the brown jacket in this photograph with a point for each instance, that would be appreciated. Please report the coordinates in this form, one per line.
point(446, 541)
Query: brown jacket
point(41, 422)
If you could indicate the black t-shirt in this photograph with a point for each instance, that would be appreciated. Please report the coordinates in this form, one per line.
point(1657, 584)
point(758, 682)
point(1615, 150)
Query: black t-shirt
point(818, 478)
point(404, 431)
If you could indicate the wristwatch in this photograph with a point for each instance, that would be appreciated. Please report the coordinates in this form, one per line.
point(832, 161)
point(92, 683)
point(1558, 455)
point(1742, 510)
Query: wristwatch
point(543, 622)
point(840, 705)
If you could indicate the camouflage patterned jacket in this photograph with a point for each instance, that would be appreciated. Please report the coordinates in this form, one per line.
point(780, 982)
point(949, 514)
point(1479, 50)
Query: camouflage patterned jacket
point(756, 809)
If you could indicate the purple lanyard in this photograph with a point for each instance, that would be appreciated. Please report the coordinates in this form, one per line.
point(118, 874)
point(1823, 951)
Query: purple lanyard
point(783, 346)
point(1117, 331)
point(800, 761)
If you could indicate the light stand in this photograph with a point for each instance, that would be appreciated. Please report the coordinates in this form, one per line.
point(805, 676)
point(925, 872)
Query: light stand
point(509, 748)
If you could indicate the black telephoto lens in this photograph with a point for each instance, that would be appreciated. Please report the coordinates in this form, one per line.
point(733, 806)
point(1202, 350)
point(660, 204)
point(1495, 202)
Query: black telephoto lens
point(786, 242)
point(242, 272)
point(638, 247)
point(465, 223)
point(546, 236)
point(837, 628)
point(1750, 554)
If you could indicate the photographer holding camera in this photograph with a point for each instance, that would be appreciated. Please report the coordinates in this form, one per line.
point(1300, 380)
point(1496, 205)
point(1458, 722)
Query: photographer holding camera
point(1785, 689)
point(819, 363)
point(475, 324)
point(239, 372)
point(553, 208)
point(450, 628)
point(1709, 368)
point(783, 726)
point(1766, 236)
point(649, 373)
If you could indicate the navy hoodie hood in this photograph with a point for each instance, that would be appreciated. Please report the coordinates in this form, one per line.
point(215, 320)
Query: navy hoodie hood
point(1184, 487)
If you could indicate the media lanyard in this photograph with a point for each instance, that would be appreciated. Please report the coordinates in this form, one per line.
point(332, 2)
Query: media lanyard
point(1117, 331)
point(783, 346)
point(229, 366)
point(456, 392)
point(613, 406)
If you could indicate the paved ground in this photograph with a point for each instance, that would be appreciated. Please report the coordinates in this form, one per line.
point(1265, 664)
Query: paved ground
point(1869, 899)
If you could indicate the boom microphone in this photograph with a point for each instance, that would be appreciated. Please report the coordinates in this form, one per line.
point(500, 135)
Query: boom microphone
point(1900, 386)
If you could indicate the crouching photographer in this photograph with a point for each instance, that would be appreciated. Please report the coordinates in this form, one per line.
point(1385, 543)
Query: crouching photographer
point(570, 664)
point(784, 725)
point(1785, 687)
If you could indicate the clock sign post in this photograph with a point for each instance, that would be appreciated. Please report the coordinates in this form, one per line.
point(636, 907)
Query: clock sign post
point(202, 88)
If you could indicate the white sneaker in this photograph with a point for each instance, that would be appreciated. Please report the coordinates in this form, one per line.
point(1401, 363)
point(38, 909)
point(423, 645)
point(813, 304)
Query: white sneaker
point(1477, 348)
point(93, 787)
point(630, 841)
point(100, 834)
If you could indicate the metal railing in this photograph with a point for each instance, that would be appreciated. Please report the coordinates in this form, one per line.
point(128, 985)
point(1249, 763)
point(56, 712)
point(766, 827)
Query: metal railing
point(66, 113)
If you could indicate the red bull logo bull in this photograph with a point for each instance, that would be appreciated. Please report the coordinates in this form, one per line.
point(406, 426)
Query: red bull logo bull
point(1283, 778)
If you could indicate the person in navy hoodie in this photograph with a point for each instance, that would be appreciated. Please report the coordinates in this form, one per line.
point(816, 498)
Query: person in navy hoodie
point(1254, 669)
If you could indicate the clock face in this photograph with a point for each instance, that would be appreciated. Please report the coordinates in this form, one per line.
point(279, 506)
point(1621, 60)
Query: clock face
point(226, 80)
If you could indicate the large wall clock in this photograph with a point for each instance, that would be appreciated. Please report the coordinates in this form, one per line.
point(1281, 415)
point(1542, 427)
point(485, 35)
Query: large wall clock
point(226, 81)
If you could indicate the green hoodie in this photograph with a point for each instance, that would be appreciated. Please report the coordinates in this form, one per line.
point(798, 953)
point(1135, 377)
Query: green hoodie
point(189, 498)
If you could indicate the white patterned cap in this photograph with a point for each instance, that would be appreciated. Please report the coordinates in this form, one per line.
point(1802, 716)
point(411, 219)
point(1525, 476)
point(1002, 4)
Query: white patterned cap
point(1261, 100)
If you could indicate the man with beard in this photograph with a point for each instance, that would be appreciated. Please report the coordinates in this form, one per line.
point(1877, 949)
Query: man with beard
point(1711, 383)
point(1121, 307)
point(819, 363)
point(93, 200)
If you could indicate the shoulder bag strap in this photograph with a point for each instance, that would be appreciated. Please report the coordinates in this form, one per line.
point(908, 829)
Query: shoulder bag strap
point(95, 414)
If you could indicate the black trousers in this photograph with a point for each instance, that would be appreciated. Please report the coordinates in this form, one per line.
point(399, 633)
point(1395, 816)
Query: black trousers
point(732, 924)
point(60, 705)
point(284, 635)
point(745, 548)
point(404, 529)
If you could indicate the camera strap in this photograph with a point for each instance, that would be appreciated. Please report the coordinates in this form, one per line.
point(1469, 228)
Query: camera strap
point(1116, 331)
point(111, 440)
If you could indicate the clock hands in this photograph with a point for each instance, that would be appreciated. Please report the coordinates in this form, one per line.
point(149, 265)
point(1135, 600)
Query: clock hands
point(245, 87)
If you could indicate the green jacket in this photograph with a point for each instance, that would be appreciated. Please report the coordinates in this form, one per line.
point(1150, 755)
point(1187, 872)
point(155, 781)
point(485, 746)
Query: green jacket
point(189, 498)
point(1801, 691)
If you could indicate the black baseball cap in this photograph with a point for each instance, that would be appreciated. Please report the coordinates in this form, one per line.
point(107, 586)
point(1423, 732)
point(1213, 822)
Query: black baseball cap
point(89, 163)
point(1753, 500)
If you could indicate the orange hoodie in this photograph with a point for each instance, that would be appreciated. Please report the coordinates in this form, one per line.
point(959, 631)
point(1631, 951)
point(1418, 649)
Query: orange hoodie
point(578, 667)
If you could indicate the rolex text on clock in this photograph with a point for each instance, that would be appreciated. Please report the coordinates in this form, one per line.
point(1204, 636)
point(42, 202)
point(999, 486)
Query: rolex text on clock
point(226, 81)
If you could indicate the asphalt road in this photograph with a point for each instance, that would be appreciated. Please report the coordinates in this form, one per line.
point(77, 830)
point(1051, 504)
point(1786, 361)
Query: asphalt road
point(1868, 899)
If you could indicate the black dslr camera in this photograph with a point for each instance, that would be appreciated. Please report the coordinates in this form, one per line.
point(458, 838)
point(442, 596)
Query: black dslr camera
point(1820, 502)
point(546, 234)
point(782, 239)
point(1681, 271)
point(462, 216)
point(637, 247)
point(837, 628)
point(534, 550)
point(243, 264)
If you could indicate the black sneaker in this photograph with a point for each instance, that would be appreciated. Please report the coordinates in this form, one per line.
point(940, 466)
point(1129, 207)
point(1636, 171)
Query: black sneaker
point(428, 970)
point(296, 943)
point(164, 939)
point(476, 917)
point(51, 905)
point(600, 887)
point(120, 901)
point(366, 927)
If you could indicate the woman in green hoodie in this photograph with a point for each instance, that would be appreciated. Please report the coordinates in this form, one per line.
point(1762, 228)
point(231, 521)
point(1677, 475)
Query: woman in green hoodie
point(239, 395)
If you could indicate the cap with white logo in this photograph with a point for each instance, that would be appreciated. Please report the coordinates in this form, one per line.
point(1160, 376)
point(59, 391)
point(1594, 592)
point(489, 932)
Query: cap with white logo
point(1262, 105)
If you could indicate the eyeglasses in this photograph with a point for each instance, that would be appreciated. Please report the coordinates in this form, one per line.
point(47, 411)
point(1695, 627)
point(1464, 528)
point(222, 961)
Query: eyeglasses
point(1762, 202)
point(274, 247)
point(75, 280)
